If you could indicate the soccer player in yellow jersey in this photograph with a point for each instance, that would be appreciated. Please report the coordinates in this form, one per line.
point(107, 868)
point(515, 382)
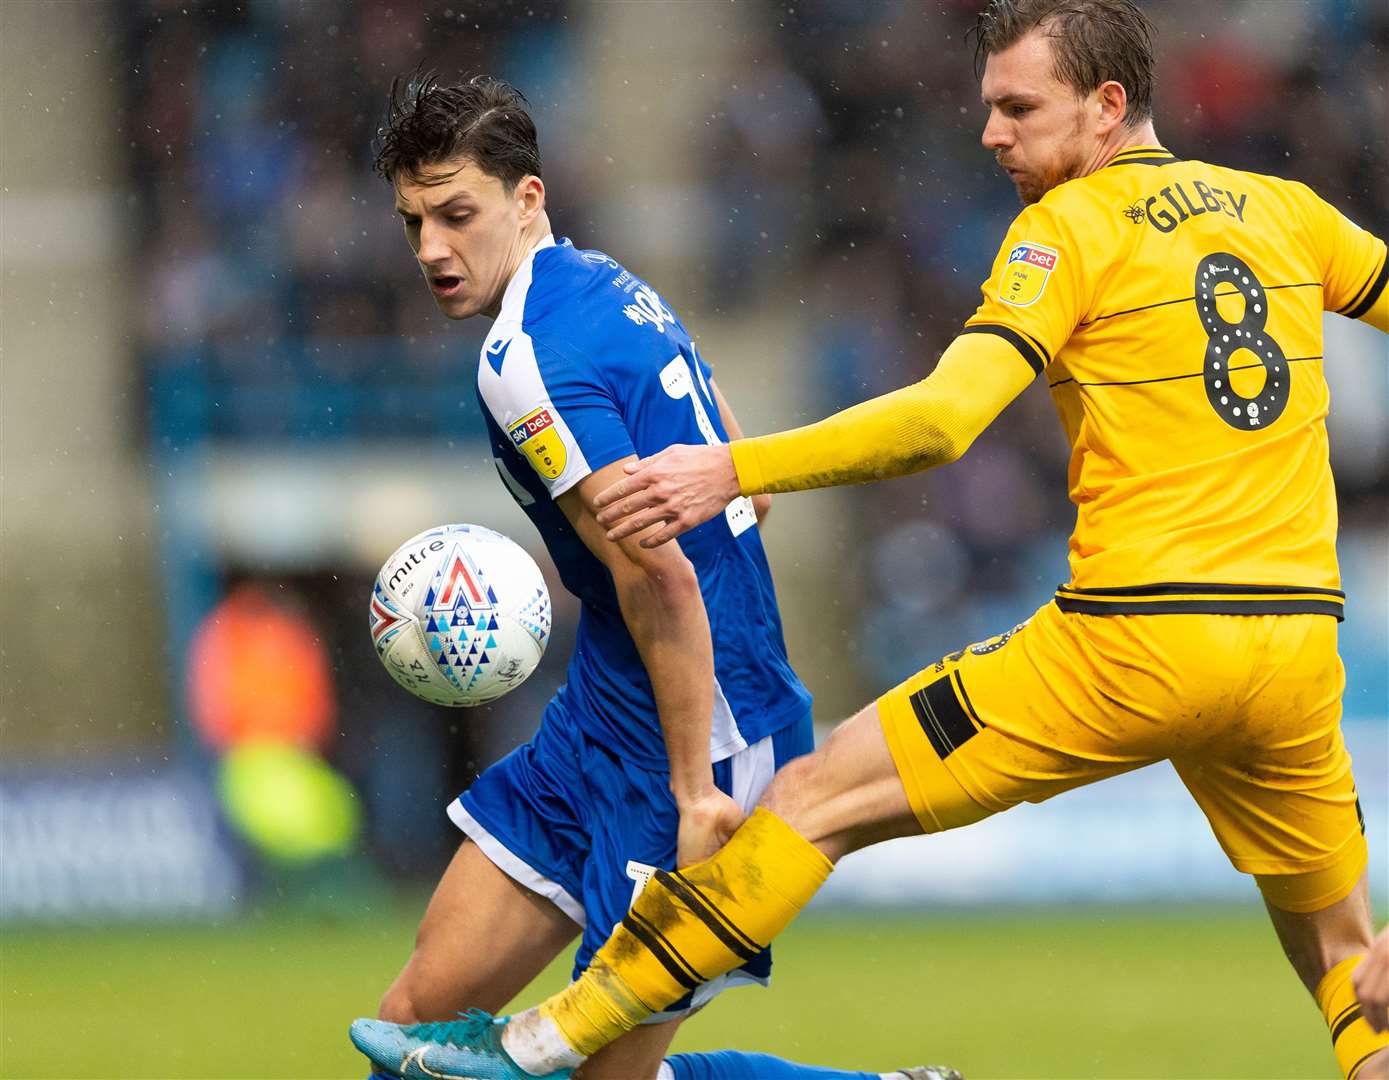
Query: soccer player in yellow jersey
point(1174, 308)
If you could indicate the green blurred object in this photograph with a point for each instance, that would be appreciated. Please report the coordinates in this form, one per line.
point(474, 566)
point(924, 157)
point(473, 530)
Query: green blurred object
point(1027, 992)
point(288, 803)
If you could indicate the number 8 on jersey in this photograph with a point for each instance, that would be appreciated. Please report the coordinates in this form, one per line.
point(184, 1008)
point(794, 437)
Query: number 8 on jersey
point(1226, 339)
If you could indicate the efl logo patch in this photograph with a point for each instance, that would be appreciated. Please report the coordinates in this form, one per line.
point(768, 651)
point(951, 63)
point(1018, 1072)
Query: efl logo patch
point(536, 436)
point(1025, 275)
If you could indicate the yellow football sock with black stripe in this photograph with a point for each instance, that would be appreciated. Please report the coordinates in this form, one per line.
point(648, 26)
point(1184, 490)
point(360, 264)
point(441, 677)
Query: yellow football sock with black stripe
point(688, 926)
point(1351, 1036)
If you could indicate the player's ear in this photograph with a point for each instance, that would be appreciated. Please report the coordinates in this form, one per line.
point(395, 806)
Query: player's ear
point(1112, 101)
point(530, 198)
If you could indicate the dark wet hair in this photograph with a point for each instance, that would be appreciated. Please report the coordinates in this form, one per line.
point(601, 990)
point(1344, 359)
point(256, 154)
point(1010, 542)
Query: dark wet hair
point(483, 119)
point(1092, 41)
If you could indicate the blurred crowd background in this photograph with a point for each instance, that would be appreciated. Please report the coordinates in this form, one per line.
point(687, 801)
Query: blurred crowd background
point(228, 396)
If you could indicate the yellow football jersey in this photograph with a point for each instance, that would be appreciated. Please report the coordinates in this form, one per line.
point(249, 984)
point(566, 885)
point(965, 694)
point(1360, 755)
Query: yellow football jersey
point(1175, 308)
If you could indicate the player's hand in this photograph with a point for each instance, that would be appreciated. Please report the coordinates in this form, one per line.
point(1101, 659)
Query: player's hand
point(706, 824)
point(1371, 981)
point(682, 486)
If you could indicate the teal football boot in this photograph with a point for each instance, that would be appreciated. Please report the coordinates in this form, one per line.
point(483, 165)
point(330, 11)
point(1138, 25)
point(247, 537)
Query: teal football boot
point(469, 1048)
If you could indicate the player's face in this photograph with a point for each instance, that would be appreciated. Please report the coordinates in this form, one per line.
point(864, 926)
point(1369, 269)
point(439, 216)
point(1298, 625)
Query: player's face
point(466, 229)
point(1037, 126)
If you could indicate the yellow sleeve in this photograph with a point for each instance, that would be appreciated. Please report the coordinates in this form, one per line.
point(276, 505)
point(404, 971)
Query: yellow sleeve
point(1378, 313)
point(922, 425)
point(1354, 267)
point(1039, 288)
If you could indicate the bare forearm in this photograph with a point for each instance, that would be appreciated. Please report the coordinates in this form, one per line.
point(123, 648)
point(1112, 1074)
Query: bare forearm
point(665, 615)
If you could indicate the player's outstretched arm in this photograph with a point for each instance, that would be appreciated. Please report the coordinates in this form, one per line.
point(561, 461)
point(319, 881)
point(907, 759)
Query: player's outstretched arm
point(920, 426)
point(1371, 981)
point(664, 611)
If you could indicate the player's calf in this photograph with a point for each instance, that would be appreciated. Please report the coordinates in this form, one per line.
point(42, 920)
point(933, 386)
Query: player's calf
point(1322, 918)
point(1324, 945)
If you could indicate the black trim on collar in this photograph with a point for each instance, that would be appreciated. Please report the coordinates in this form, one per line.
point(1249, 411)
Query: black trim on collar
point(1143, 155)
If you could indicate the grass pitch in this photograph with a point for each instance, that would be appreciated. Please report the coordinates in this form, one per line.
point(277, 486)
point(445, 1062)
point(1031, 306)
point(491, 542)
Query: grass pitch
point(1095, 992)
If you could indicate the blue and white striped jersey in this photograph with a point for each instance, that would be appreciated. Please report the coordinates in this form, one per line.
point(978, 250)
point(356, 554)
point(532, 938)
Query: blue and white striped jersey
point(584, 366)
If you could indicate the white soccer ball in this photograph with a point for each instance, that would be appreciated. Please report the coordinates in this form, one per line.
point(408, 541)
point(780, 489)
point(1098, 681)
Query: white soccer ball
point(460, 615)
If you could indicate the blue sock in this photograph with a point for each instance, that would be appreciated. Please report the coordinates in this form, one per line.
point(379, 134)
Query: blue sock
point(734, 1065)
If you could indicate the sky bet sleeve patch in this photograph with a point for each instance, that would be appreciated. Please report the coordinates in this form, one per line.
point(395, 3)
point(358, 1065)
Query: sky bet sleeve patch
point(536, 436)
point(556, 416)
point(1026, 272)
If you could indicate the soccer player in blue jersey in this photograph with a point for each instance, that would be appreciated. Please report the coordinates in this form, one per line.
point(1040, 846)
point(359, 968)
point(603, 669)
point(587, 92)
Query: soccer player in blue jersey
point(679, 702)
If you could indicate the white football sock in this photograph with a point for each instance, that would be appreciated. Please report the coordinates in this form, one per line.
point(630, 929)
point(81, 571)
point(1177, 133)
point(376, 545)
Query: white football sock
point(537, 1045)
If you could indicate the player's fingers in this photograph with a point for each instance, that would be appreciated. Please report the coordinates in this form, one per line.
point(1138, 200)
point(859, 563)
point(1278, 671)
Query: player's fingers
point(645, 463)
point(675, 526)
point(626, 507)
point(669, 533)
point(630, 526)
point(618, 490)
point(1373, 992)
point(643, 496)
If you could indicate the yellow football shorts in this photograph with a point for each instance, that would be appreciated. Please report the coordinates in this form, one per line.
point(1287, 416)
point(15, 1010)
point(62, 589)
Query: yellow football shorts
point(1247, 708)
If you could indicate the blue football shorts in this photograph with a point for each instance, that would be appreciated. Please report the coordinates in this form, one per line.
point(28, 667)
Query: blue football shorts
point(570, 820)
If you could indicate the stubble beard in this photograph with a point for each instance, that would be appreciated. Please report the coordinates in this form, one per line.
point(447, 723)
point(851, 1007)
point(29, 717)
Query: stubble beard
point(1070, 164)
point(1032, 188)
